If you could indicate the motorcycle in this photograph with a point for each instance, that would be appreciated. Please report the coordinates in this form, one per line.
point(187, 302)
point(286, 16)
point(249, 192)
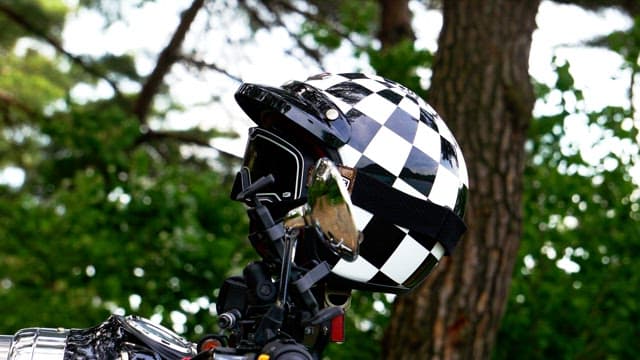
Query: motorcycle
point(279, 308)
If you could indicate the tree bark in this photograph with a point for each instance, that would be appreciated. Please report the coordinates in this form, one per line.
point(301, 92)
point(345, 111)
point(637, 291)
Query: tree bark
point(481, 87)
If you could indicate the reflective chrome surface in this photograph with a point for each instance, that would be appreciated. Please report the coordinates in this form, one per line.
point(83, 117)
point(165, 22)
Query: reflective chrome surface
point(5, 345)
point(34, 343)
point(160, 339)
point(329, 208)
point(117, 338)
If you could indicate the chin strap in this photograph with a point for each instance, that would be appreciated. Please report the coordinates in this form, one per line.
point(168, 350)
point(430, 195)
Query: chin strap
point(395, 206)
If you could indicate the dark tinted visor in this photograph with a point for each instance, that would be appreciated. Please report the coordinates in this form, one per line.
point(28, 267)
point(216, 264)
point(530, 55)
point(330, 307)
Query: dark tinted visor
point(267, 153)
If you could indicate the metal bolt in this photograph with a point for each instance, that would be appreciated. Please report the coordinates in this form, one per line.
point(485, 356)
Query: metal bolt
point(265, 290)
point(332, 114)
point(325, 330)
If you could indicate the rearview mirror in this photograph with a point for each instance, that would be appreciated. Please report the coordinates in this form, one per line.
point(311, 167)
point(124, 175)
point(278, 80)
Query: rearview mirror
point(329, 209)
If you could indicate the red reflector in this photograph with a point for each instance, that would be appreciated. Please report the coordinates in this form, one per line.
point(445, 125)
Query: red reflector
point(210, 344)
point(337, 329)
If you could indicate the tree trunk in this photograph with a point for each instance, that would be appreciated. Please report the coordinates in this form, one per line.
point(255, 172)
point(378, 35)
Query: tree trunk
point(481, 87)
point(395, 18)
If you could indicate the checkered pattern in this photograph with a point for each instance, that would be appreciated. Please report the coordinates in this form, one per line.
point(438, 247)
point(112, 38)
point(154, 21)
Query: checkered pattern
point(401, 141)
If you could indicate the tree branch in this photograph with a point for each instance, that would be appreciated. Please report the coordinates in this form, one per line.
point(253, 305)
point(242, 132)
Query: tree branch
point(337, 28)
point(11, 101)
point(313, 53)
point(166, 59)
point(200, 64)
point(183, 137)
point(22, 21)
point(255, 16)
point(187, 137)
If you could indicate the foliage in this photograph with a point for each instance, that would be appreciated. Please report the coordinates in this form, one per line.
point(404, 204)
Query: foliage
point(342, 20)
point(366, 318)
point(401, 62)
point(49, 15)
point(104, 200)
point(574, 292)
point(357, 24)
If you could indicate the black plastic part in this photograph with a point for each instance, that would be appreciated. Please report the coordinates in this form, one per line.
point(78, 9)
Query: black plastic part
point(314, 275)
point(262, 216)
point(270, 324)
point(286, 350)
point(275, 232)
point(306, 282)
point(250, 190)
point(326, 314)
point(233, 295)
point(261, 289)
point(297, 105)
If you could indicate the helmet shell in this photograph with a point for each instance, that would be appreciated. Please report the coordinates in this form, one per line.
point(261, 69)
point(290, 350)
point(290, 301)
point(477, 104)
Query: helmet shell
point(383, 130)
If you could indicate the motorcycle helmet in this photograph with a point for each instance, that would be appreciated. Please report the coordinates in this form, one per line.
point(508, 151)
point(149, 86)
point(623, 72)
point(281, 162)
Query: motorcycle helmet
point(405, 172)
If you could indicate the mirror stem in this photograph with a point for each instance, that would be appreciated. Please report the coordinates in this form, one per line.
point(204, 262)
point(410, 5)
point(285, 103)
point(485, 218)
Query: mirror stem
point(290, 241)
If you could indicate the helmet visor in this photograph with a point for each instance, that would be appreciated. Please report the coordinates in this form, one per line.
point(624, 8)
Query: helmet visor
point(267, 153)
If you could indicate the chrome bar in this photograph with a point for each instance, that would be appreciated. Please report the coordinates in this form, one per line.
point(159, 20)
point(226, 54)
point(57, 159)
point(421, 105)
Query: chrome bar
point(5, 346)
point(34, 343)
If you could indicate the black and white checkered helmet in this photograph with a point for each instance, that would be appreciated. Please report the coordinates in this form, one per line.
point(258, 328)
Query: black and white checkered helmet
point(410, 184)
